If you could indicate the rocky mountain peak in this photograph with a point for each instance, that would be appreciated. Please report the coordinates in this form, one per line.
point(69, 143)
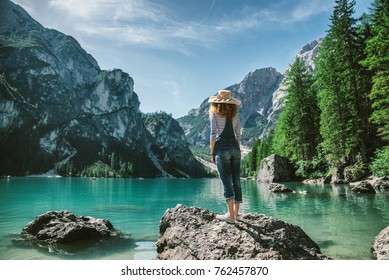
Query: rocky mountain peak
point(261, 92)
point(307, 54)
point(14, 18)
point(61, 111)
point(255, 91)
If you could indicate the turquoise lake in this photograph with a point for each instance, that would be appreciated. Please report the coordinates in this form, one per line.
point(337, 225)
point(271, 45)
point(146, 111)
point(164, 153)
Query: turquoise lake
point(342, 223)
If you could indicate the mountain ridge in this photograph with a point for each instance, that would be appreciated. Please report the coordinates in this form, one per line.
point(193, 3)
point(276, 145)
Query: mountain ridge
point(60, 110)
point(84, 103)
point(261, 92)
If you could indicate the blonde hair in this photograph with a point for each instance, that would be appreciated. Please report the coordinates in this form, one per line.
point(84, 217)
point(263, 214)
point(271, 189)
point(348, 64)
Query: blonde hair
point(224, 110)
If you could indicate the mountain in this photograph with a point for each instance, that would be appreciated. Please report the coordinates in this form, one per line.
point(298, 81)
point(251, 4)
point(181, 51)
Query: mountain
point(60, 111)
point(307, 54)
point(261, 93)
point(255, 91)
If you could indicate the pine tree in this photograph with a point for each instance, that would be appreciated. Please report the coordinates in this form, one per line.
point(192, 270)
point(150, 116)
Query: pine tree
point(114, 161)
point(377, 49)
point(261, 149)
point(342, 88)
point(365, 84)
point(254, 156)
point(298, 126)
point(251, 160)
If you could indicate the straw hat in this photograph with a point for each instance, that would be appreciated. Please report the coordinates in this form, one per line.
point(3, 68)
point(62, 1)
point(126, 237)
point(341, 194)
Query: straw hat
point(224, 96)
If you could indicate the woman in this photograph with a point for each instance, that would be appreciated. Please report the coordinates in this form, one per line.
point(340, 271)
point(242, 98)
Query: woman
point(225, 148)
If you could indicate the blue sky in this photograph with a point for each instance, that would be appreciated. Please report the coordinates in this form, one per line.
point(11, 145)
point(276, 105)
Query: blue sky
point(180, 52)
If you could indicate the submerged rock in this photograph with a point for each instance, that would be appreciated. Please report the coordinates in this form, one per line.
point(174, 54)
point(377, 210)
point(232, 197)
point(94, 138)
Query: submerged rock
point(64, 232)
point(279, 188)
point(381, 245)
point(192, 233)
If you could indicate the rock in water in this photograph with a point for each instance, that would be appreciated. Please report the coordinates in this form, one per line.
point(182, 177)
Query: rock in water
point(363, 187)
point(64, 232)
point(381, 184)
point(192, 233)
point(381, 245)
point(279, 188)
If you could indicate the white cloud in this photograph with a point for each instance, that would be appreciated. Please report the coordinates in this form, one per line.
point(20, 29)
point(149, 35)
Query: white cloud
point(82, 9)
point(146, 23)
point(308, 8)
point(149, 24)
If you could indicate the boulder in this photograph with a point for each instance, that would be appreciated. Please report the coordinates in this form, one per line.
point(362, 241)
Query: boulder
point(363, 187)
point(275, 168)
point(64, 232)
point(193, 233)
point(381, 245)
point(344, 174)
point(279, 188)
point(381, 184)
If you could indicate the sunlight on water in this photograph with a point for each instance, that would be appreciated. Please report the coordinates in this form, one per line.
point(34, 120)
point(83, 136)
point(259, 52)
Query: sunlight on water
point(343, 224)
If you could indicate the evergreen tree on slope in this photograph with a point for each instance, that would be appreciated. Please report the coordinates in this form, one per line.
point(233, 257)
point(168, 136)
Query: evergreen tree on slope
point(377, 49)
point(343, 89)
point(297, 132)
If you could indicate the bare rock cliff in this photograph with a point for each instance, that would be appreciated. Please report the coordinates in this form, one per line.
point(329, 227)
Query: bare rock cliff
point(59, 111)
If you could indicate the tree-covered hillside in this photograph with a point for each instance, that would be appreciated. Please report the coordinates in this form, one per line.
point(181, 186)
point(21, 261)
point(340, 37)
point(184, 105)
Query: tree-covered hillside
point(339, 115)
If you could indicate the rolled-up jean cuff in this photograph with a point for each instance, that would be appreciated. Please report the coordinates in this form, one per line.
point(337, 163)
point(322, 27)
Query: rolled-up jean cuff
point(235, 201)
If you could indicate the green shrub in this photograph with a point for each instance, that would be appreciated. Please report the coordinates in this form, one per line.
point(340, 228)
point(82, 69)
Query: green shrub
point(355, 172)
point(380, 165)
point(314, 168)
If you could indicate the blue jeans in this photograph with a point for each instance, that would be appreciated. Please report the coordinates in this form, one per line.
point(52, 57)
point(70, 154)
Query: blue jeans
point(228, 165)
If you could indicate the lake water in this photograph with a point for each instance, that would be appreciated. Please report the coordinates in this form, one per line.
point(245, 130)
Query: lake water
point(342, 223)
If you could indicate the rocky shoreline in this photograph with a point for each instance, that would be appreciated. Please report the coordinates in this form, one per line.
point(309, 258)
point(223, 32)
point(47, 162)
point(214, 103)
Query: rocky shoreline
point(186, 233)
point(370, 184)
point(275, 168)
